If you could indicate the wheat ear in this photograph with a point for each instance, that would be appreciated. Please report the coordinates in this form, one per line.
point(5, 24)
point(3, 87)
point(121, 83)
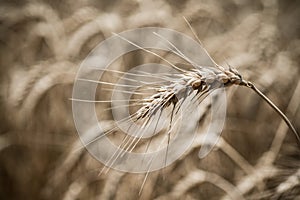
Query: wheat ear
point(252, 86)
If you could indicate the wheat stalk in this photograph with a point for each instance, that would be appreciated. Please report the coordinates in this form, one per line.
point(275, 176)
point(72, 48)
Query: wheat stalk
point(203, 81)
point(197, 82)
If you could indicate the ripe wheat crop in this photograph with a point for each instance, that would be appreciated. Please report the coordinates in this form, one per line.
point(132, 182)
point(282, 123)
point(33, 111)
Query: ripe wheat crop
point(42, 45)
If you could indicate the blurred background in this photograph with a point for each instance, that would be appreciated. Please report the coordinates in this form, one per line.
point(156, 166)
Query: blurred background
point(42, 44)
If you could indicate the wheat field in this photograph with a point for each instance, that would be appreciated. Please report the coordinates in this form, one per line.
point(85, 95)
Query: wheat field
point(42, 44)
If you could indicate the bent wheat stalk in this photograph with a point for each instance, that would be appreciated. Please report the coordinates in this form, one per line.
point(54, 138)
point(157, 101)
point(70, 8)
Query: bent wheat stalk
point(282, 115)
point(203, 80)
point(198, 81)
point(188, 87)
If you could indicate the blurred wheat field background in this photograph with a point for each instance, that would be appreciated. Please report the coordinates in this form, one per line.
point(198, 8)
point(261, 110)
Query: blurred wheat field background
point(42, 44)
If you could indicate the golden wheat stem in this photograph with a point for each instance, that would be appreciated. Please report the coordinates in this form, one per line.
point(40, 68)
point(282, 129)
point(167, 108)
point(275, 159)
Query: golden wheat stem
point(287, 121)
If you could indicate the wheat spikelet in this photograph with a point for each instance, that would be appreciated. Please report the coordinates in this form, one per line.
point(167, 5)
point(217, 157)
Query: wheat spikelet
point(202, 81)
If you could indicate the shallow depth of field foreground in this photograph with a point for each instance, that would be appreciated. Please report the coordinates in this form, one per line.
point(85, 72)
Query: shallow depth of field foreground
point(43, 43)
